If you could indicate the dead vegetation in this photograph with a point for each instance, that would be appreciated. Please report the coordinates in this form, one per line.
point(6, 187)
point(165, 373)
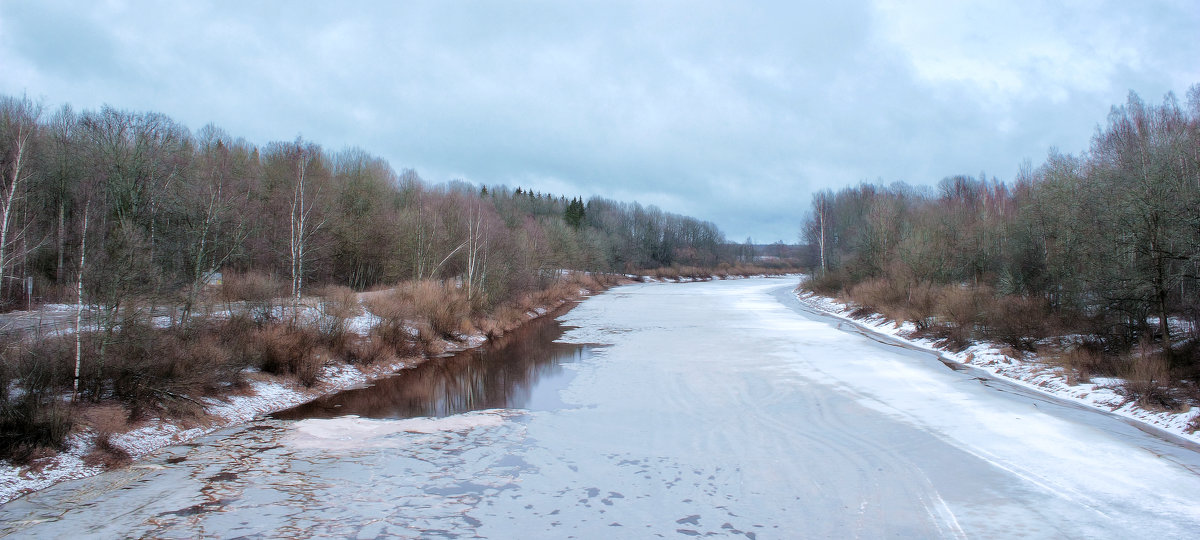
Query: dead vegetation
point(957, 315)
point(135, 370)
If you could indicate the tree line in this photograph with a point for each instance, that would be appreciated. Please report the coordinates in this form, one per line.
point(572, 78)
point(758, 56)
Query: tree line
point(1105, 243)
point(112, 205)
point(194, 259)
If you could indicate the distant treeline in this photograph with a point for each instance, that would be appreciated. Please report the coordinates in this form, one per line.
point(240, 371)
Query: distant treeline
point(1106, 243)
point(142, 207)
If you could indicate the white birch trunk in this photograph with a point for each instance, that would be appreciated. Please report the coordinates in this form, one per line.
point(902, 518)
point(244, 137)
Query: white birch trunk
point(79, 305)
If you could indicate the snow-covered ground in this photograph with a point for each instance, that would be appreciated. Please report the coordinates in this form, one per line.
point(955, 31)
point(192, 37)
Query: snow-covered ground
point(266, 395)
point(1102, 393)
point(715, 409)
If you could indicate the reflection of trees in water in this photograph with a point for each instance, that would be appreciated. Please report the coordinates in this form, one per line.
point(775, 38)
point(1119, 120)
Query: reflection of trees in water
point(500, 375)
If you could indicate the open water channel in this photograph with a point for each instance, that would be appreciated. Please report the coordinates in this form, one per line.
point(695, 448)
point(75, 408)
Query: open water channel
point(711, 409)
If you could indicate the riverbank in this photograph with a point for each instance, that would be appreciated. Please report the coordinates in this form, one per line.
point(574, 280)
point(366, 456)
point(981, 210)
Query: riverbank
point(97, 446)
point(1029, 370)
point(710, 409)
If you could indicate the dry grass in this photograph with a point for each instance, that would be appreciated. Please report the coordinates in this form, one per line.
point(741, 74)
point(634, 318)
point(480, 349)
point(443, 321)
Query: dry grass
point(107, 420)
point(285, 350)
point(1084, 362)
point(921, 305)
point(256, 293)
point(879, 296)
point(443, 307)
point(1148, 379)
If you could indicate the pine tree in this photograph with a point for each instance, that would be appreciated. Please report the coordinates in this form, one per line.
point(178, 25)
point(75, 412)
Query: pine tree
point(574, 213)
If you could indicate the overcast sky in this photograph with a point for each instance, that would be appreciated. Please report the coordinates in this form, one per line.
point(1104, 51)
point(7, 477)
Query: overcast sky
point(733, 112)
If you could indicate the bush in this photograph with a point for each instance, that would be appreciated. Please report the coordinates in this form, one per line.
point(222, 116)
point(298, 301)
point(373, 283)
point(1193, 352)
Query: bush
point(168, 369)
point(34, 420)
point(1086, 361)
point(882, 296)
point(255, 291)
point(33, 426)
point(1148, 380)
point(337, 306)
point(281, 349)
point(443, 307)
point(831, 283)
point(920, 309)
point(960, 308)
point(1017, 321)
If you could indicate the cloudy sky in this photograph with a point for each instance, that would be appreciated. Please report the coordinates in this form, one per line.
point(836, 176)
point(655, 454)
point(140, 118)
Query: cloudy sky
point(729, 111)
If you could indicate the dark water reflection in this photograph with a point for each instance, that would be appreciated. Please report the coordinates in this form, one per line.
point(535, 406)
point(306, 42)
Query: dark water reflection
point(521, 370)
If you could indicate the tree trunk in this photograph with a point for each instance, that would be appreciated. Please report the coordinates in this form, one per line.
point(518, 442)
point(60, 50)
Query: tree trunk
point(79, 305)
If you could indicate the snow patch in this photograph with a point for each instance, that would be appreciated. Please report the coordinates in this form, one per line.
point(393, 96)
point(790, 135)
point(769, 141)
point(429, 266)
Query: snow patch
point(348, 432)
point(1101, 393)
point(67, 465)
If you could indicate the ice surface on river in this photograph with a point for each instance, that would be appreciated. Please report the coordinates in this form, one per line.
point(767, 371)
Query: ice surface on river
point(716, 408)
point(354, 432)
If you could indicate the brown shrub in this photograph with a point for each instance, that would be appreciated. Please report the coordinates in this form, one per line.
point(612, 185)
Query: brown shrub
point(444, 307)
point(502, 320)
point(880, 295)
point(284, 349)
point(168, 369)
point(107, 421)
point(337, 305)
point(1086, 361)
point(394, 336)
point(667, 273)
point(920, 309)
point(35, 422)
point(1148, 380)
point(1017, 321)
point(257, 292)
point(374, 349)
point(32, 426)
point(960, 308)
point(830, 283)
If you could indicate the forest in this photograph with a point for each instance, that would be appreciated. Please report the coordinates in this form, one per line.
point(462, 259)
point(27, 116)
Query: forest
point(1092, 258)
point(146, 228)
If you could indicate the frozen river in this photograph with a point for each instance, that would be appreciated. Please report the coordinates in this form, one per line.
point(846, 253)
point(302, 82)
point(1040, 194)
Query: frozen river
point(720, 408)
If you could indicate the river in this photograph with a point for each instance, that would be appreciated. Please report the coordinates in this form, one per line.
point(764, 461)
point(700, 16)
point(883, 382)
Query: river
point(658, 410)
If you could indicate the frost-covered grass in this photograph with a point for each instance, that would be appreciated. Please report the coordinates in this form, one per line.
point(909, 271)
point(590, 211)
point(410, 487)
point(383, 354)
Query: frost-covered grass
point(1028, 370)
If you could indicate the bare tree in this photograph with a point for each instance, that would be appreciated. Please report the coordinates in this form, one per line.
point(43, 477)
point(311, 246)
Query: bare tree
point(303, 225)
point(18, 125)
point(821, 213)
point(214, 222)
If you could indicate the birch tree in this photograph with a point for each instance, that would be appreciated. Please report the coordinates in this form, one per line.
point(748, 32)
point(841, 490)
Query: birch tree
point(18, 126)
point(302, 222)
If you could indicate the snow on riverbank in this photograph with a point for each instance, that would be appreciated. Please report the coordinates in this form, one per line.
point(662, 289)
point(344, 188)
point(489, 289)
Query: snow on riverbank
point(1101, 393)
point(266, 395)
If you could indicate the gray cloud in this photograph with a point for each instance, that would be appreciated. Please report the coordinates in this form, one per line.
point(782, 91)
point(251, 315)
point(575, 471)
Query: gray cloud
point(728, 111)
